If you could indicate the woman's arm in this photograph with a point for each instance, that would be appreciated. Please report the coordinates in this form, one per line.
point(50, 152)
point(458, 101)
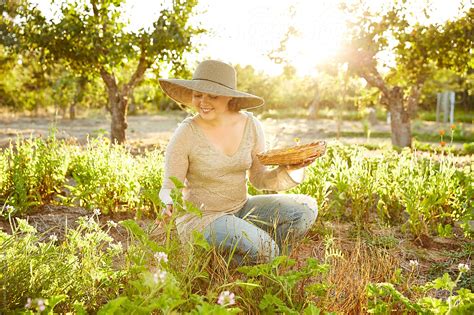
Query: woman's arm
point(262, 177)
point(176, 162)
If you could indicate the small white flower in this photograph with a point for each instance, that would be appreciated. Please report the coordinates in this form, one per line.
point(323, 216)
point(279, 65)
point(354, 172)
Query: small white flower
point(112, 223)
point(53, 238)
point(226, 298)
point(41, 306)
point(160, 256)
point(10, 209)
point(463, 267)
point(116, 248)
point(97, 211)
point(159, 277)
point(28, 303)
point(413, 263)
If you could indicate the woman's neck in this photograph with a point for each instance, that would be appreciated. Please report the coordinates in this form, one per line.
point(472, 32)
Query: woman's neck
point(222, 120)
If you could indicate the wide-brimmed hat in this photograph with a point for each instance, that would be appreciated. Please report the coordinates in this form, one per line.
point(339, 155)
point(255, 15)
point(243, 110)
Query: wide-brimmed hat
point(212, 77)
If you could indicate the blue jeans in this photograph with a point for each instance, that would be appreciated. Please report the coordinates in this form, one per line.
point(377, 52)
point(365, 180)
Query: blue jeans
point(264, 228)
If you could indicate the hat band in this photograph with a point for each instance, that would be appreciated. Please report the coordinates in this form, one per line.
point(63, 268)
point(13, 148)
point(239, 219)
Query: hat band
point(197, 79)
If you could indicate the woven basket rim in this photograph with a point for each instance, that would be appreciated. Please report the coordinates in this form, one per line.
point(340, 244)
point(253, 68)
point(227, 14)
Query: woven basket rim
point(296, 148)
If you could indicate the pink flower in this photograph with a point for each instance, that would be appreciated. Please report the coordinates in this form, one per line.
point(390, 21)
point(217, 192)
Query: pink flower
point(226, 298)
point(28, 303)
point(41, 306)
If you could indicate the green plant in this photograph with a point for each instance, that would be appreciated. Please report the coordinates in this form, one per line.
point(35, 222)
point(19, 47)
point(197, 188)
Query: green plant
point(35, 171)
point(106, 177)
point(80, 268)
point(283, 289)
point(384, 297)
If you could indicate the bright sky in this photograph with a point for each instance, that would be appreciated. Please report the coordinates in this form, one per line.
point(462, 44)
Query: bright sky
point(245, 31)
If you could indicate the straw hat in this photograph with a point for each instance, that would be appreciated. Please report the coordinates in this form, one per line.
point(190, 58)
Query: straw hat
point(212, 77)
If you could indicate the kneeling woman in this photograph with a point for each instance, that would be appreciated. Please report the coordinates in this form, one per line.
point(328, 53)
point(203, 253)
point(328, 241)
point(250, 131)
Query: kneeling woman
point(213, 153)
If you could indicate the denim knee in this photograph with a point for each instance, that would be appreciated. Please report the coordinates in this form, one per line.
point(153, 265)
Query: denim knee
point(308, 211)
point(261, 250)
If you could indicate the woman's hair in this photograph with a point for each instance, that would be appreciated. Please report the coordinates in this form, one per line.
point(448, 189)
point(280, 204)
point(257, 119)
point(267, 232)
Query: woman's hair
point(234, 105)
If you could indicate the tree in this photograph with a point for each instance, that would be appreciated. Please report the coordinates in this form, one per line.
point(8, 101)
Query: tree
point(90, 38)
point(418, 49)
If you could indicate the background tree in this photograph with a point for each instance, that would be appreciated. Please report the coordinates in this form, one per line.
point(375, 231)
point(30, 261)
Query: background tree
point(90, 38)
point(418, 50)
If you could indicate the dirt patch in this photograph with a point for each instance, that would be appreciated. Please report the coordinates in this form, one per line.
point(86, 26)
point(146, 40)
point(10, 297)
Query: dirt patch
point(156, 130)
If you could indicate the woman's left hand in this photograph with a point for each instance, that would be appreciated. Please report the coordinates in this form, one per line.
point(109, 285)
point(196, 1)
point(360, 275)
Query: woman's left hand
point(301, 165)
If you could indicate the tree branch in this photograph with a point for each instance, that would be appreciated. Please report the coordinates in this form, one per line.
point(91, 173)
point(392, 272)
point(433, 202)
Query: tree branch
point(137, 76)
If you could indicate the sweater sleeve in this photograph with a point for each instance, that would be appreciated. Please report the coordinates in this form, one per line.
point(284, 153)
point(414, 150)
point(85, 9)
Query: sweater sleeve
point(262, 177)
point(176, 161)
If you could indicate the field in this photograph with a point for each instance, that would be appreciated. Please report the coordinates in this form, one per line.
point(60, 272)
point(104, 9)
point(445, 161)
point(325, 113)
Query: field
point(394, 232)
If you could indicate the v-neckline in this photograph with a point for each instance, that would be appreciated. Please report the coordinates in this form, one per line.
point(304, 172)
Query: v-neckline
point(215, 148)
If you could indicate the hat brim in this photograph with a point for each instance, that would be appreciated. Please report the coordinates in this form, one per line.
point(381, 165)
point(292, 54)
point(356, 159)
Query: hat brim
point(181, 91)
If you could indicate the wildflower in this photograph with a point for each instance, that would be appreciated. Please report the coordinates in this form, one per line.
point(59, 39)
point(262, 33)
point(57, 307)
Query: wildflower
point(53, 238)
point(41, 305)
point(226, 298)
point(413, 263)
point(159, 277)
point(160, 256)
point(28, 303)
point(453, 126)
point(463, 267)
point(442, 143)
point(297, 140)
point(10, 209)
point(112, 223)
point(442, 132)
point(116, 248)
point(97, 212)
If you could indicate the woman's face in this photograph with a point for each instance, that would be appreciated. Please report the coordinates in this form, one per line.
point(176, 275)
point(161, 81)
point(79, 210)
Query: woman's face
point(210, 106)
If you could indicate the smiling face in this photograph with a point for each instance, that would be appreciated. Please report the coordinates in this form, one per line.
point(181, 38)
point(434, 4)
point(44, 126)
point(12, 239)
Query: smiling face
point(210, 106)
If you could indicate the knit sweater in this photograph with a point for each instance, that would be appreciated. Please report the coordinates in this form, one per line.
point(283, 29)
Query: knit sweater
point(215, 182)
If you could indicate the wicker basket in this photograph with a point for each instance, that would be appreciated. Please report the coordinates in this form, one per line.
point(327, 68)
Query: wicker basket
point(293, 155)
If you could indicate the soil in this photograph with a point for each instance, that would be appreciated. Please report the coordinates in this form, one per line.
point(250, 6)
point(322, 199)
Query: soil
point(156, 130)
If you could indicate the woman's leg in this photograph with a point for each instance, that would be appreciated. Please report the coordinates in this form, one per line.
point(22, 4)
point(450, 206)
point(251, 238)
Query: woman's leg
point(285, 217)
point(242, 240)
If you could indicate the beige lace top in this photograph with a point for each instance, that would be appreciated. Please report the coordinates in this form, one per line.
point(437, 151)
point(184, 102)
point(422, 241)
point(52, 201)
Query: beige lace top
point(216, 182)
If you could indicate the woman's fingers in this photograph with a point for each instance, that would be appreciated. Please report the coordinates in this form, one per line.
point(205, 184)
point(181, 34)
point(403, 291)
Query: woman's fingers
point(302, 164)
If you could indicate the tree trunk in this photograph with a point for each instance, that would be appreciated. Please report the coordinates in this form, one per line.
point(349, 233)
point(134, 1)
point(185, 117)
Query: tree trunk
point(119, 98)
point(400, 118)
point(72, 111)
point(118, 104)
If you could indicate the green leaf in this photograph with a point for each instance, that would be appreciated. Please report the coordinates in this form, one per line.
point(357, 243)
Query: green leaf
point(311, 310)
point(445, 282)
point(199, 240)
point(113, 306)
point(177, 183)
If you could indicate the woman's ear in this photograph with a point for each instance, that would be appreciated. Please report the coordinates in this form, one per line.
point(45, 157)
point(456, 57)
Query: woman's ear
point(233, 104)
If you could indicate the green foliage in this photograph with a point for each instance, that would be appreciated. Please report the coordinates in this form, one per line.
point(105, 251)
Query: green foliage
point(78, 269)
point(106, 177)
point(35, 171)
point(384, 298)
point(280, 286)
point(348, 184)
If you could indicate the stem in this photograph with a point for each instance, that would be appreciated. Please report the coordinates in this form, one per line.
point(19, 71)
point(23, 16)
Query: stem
point(451, 293)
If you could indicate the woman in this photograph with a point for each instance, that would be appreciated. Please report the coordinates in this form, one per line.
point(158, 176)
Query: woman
point(212, 153)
